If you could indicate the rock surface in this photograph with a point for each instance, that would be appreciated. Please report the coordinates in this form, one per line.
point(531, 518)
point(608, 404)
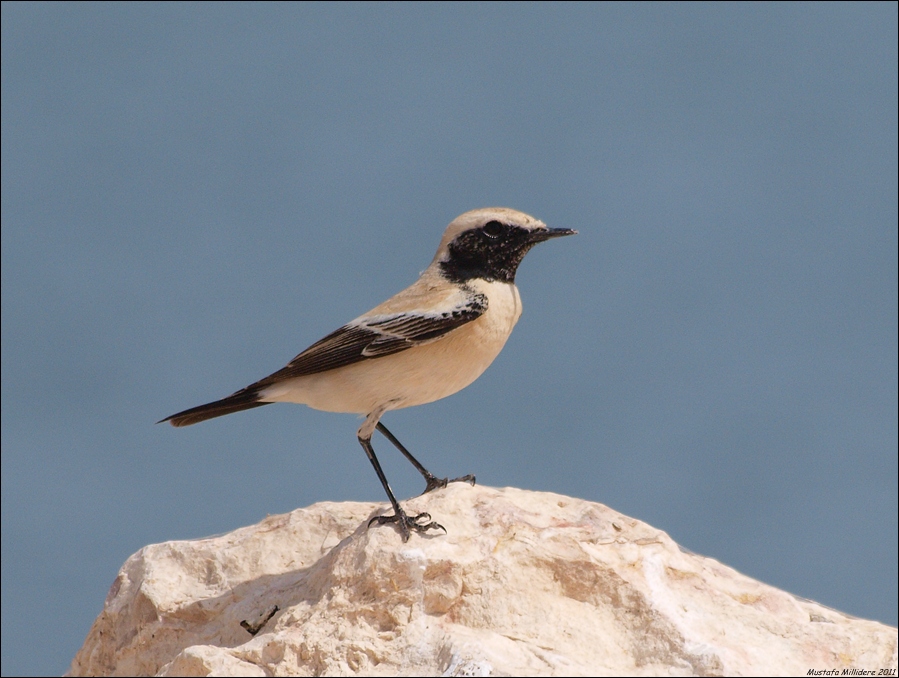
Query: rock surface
point(524, 583)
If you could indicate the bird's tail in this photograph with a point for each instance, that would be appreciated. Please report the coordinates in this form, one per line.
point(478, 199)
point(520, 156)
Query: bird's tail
point(242, 400)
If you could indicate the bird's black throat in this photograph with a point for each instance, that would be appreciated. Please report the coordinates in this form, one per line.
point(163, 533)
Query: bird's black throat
point(492, 253)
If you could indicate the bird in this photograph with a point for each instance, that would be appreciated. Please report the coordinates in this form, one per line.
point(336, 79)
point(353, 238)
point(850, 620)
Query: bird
point(425, 343)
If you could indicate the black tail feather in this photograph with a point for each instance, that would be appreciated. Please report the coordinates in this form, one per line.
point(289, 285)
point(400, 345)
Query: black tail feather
point(242, 400)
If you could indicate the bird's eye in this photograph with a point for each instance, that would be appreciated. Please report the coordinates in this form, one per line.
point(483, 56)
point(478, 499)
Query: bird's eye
point(493, 229)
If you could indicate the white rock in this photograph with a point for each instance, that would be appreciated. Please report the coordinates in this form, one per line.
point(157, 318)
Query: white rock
point(524, 583)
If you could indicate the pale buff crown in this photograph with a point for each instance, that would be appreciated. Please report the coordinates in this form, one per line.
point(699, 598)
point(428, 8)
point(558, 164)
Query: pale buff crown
point(479, 217)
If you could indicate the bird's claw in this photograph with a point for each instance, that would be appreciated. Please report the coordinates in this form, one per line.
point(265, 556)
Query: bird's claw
point(407, 524)
point(435, 483)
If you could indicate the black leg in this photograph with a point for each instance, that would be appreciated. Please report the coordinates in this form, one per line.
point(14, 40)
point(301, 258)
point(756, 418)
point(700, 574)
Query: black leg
point(399, 516)
point(433, 482)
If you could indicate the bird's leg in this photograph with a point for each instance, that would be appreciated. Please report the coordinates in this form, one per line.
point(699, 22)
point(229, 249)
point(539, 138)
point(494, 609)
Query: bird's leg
point(433, 482)
point(421, 522)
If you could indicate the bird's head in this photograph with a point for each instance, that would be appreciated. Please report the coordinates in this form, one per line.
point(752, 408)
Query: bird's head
point(490, 243)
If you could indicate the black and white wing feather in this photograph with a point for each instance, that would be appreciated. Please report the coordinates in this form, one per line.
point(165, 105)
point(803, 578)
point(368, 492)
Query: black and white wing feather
point(376, 336)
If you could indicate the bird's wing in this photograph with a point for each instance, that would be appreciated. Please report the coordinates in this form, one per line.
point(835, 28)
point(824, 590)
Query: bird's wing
point(375, 336)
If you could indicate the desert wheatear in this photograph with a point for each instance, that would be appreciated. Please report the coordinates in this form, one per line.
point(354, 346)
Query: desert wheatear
point(427, 342)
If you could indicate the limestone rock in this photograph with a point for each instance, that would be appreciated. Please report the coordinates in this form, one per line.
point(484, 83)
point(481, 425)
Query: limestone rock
point(524, 583)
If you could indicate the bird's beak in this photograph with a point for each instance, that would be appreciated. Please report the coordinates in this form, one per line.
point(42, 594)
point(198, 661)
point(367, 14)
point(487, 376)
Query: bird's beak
point(541, 235)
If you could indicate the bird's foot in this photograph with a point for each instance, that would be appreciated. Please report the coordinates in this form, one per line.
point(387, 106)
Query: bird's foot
point(420, 523)
point(435, 483)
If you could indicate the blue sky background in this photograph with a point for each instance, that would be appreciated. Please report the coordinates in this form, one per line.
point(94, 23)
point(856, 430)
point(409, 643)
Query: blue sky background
point(192, 194)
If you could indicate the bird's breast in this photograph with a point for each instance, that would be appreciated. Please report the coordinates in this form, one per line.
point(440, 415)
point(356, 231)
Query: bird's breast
point(503, 311)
